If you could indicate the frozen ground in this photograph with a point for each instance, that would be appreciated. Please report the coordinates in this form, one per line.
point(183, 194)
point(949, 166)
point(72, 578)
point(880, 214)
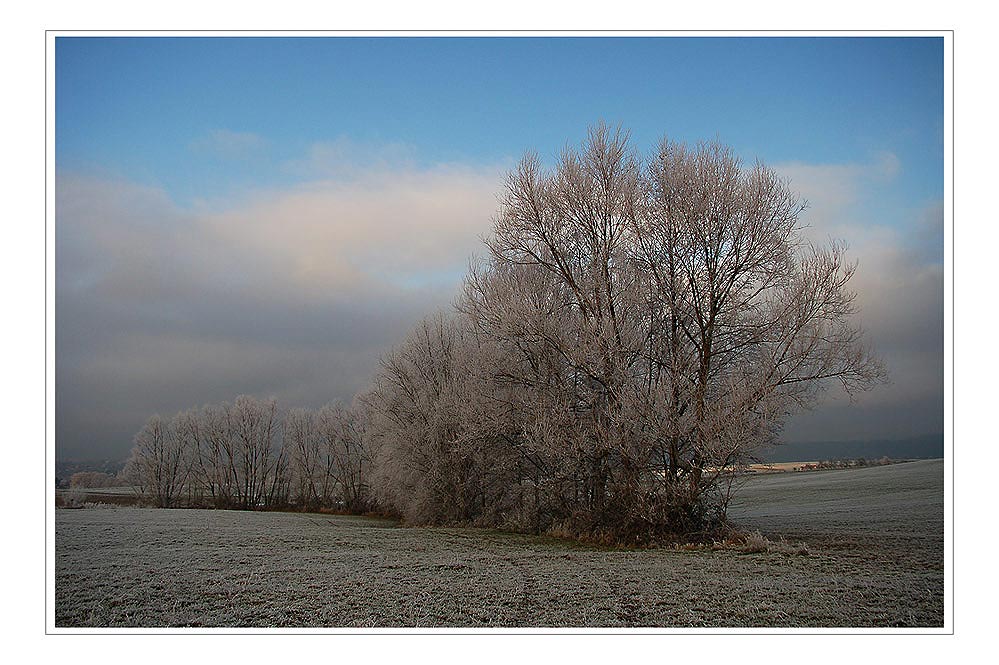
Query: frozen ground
point(875, 538)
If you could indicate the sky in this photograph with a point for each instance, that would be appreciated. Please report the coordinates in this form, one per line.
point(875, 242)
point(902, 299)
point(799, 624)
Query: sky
point(268, 216)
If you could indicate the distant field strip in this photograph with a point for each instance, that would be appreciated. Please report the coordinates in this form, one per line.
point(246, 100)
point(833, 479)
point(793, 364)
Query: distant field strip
point(875, 538)
point(898, 499)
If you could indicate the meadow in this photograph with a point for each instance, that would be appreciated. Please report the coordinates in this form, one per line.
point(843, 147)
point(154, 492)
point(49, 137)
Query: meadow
point(839, 548)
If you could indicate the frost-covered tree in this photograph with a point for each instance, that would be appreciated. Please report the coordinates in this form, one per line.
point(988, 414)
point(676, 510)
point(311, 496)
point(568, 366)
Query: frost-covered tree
point(252, 430)
point(342, 435)
point(160, 462)
point(245, 454)
point(414, 424)
point(310, 473)
point(216, 464)
point(640, 328)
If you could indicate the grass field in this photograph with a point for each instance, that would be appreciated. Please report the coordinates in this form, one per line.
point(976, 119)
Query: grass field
point(875, 558)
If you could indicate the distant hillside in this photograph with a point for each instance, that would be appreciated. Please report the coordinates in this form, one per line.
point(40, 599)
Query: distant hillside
point(919, 447)
point(66, 468)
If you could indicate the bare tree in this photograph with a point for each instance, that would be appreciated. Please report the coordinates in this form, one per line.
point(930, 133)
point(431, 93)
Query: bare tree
point(187, 430)
point(160, 462)
point(233, 454)
point(230, 459)
point(661, 320)
point(444, 437)
point(309, 476)
point(341, 432)
point(217, 457)
point(414, 425)
point(753, 321)
point(562, 295)
point(252, 424)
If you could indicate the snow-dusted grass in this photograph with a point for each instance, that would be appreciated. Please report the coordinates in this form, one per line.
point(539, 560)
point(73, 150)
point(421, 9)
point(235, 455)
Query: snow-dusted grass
point(875, 558)
point(896, 510)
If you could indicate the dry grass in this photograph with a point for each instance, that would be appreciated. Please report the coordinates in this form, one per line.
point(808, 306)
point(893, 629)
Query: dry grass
point(755, 542)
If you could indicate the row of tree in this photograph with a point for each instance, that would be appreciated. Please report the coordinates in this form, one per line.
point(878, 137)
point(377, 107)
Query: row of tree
point(639, 328)
point(248, 455)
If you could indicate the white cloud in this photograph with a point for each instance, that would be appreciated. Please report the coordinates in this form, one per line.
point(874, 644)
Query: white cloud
point(386, 227)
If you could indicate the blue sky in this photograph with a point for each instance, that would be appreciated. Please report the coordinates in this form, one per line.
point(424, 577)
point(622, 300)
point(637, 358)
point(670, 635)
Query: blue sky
point(269, 215)
point(140, 106)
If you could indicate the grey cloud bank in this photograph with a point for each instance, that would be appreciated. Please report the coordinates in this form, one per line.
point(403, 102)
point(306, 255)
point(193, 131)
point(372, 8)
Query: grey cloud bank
point(899, 285)
point(292, 294)
point(295, 293)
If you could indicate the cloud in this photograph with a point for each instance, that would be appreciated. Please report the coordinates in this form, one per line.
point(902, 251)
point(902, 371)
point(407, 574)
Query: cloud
point(292, 292)
point(899, 286)
point(295, 292)
point(834, 190)
point(388, 227)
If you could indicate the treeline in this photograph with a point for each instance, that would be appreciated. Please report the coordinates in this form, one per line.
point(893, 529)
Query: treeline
point(639, 327)
point(92, 480)
point(845, 464)
point(247, 455)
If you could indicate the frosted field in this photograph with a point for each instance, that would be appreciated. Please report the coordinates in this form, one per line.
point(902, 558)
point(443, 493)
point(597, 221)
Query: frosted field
point(875, 539)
